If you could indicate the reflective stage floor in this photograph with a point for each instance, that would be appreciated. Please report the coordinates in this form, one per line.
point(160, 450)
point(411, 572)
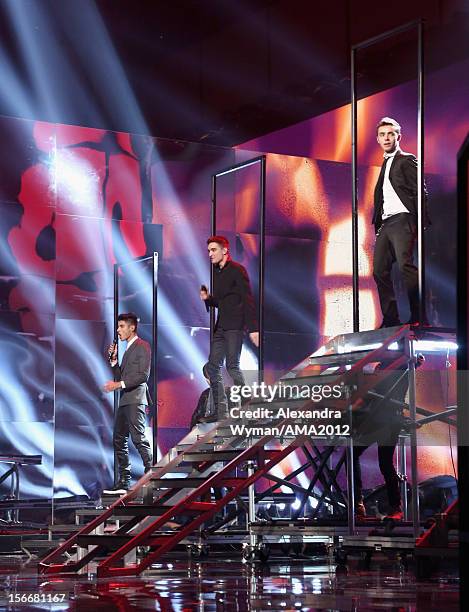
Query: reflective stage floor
point(220, 584)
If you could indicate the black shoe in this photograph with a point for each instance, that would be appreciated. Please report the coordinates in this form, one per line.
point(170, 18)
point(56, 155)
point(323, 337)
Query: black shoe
point(120, 488)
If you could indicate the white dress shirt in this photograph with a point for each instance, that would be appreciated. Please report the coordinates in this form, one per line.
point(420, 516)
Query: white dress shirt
point(392, 204)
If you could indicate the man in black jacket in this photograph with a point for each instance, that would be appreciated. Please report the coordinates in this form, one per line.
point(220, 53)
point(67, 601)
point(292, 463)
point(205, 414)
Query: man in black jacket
point(233, 298)
point(130, 378)
point(395, 220)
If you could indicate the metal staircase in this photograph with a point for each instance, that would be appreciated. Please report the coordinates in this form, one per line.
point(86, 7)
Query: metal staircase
point(174, 499)
point(160, 498)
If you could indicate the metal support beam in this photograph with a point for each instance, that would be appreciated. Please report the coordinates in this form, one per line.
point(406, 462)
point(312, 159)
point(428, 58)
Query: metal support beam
point(355, 270)
point(413, 437)
point(420, 173)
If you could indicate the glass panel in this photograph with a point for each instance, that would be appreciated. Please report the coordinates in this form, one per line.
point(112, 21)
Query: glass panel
point(136, 292)
point(27, 317)
point(386, 87)
point(237, 218)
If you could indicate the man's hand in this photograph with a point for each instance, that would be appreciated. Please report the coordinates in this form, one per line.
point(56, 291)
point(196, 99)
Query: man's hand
point(254, 336)
point(112, 352)
point(111, 386)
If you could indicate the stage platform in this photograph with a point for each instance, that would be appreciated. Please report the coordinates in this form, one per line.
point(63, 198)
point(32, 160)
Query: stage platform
point(212, 489)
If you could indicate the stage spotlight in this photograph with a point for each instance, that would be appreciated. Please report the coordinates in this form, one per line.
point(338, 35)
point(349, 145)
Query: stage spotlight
point(296, 504)
point(313, 502)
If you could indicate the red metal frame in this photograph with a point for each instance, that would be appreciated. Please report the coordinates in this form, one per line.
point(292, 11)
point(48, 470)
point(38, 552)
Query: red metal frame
point(207, 510)
point(192, 501)
point(433, 536)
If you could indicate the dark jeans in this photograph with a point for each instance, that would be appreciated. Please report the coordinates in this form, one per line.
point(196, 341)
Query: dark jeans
point(226, 344)
point(130, 419)
point(386, 438)
point(395, 243)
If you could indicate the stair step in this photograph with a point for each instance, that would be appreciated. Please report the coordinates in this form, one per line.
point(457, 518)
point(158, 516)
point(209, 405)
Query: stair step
point(141, 510)
point(180, 448)
point(308, 378)
point(351, 358)
point(224, 431)
point(116, 541)
point(215, 455)
point(110, 499)
point(43, 544)
point(180, 469)
point(158, 510)
point(63, 528)
point(222, 455)
point(116, 516)
point(89, 511)
point(192, 483)
point(177, 483)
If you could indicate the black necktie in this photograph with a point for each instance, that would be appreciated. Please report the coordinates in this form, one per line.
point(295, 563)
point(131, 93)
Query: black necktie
point(381, 174)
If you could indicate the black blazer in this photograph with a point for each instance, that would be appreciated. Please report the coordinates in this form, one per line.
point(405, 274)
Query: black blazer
point(403, 177)
point(135, 371)
point(233, 297)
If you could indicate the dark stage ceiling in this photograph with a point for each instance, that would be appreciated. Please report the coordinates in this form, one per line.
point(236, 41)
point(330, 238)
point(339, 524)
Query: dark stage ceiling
point(215, 71)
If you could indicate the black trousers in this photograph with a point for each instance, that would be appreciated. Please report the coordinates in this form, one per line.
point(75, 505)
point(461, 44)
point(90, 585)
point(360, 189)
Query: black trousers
point(226, 345)
point(395, 243)
point(130, 419)
point(386, 436)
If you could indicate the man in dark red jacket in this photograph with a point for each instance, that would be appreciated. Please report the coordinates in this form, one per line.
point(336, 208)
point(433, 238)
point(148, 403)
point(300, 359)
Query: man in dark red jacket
point(233, 298)
point(395, 220)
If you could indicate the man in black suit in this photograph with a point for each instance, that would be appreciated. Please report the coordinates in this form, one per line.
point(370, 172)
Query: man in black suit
point(395, 220)
point(130, 378)
point(233, 298)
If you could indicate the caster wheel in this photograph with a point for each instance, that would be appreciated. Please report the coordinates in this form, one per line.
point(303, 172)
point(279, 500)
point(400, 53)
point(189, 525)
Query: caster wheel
point(258, 554)
point(263, 553)
point(198, 552)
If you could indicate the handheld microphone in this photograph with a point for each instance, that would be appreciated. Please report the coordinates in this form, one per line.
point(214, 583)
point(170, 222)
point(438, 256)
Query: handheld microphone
point(112, 348)
point(204, 288)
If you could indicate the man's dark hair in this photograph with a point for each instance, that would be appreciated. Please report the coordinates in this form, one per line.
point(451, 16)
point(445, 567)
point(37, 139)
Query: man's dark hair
point(130, 318)
point(221, 240)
